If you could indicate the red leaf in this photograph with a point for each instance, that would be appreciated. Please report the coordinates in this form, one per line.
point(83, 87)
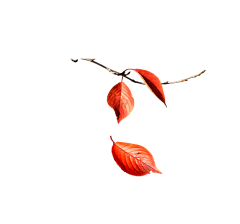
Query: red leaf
point(133, 159)
point(121, 100)
point(153, 83)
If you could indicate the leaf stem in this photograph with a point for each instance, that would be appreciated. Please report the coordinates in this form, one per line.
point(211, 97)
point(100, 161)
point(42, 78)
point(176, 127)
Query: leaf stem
point(112, 139)
point(125, 75)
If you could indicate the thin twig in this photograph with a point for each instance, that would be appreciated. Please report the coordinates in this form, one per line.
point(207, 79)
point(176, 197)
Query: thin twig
point(125, 75)
point(112, 71)
point(184, 80)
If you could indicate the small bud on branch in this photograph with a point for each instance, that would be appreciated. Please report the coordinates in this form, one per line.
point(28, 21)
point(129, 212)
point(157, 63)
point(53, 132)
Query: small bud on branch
point(125, 75)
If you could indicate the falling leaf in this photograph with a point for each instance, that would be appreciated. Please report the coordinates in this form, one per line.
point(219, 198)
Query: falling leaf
point(121, 100)
point(153, 83)
point(133, 159)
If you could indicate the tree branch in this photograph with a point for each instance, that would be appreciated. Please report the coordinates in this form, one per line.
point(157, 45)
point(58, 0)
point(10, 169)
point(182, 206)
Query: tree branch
point(184, 80)
point(112, 71)
point(125, 75)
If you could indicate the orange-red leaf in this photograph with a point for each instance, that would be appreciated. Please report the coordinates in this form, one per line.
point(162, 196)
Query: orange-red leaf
point(121, 100)
point(133, 159)
point(153, 83)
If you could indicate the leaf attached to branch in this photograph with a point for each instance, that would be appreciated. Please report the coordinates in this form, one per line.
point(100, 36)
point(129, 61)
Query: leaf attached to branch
point(121, 100)
point(153, 83)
